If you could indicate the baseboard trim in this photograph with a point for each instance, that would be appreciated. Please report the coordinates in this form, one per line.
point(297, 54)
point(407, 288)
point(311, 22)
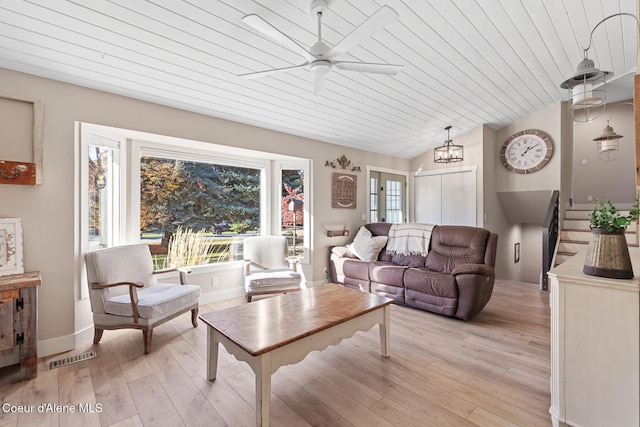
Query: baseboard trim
point(65, 343)
point(221, 295)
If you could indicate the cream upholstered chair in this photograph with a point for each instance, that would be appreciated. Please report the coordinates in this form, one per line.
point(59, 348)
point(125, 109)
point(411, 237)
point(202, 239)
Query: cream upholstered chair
point(125, 293)
point(267, 268)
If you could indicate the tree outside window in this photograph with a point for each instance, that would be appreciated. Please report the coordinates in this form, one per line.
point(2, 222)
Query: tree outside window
point(219, 201)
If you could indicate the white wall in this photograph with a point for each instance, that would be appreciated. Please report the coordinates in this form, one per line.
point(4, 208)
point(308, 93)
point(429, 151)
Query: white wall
point(614, 180)
point(49, 211)
point(549, 120)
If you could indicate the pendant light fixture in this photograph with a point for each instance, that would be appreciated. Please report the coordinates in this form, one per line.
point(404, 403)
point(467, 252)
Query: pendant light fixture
point(608, 144)
point(587, 87)
point(448, 152)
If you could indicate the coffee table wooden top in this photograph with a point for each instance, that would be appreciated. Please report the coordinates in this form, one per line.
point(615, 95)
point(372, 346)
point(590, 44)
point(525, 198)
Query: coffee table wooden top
point(264, 325)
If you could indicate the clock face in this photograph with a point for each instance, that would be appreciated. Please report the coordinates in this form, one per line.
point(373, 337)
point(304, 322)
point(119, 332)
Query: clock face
point(527, 151)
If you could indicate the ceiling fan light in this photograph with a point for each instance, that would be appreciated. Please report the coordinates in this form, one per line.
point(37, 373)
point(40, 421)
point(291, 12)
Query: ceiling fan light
point(320, 67)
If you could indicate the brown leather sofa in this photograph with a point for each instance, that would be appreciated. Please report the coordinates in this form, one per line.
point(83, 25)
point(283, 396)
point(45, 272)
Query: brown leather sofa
point(455, 279)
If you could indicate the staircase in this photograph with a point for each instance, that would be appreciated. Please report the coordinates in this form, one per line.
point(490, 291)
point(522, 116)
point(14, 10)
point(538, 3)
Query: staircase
point(575, 234)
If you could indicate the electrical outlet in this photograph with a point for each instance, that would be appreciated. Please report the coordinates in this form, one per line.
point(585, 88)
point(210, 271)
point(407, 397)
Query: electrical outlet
point(214, 281)
point(325, 271)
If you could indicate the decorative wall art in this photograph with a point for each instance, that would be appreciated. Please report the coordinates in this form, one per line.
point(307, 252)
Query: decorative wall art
point(21, 123)
point(344, 163)
point(11, 246)
point(344, 190)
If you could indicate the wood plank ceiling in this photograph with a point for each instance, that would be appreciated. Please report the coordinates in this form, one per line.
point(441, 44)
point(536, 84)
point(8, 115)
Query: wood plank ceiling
point(466, 63)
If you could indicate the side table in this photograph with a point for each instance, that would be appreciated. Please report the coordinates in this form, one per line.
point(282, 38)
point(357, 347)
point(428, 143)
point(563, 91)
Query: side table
point(19, 322)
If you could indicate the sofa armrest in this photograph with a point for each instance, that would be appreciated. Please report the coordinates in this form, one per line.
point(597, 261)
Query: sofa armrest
point(483, 269)
point(475, 285)
point(341, 252)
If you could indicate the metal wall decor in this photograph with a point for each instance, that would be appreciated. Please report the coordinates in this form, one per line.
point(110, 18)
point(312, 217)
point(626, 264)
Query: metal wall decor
point(344, 163)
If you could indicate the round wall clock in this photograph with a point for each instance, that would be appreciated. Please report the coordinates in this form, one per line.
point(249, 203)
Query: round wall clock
point(527, 151)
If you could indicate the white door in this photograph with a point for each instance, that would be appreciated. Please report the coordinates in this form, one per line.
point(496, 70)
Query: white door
point(446, 198)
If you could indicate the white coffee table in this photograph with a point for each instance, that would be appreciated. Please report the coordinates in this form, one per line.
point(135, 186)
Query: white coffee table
point(282, 330)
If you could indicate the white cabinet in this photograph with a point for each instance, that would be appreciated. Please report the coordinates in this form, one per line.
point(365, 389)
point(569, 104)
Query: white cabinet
point(595, 346)
point(446, 197)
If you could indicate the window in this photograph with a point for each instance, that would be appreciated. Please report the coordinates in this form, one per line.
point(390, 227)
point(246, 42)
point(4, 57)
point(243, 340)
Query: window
point(373, 198)
point(292, 209)
point(394, 200)
point(102, 183)
point(217, 200)
point(138, 187)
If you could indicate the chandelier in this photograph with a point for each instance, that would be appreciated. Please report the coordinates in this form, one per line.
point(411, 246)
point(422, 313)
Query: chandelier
point(448, 152)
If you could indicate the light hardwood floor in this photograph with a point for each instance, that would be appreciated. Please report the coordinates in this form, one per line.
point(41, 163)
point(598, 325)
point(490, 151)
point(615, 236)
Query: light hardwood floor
point(493, 371)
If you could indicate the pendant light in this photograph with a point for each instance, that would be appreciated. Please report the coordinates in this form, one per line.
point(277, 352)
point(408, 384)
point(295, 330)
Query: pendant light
point(608, 144)
point(448, 152)
point(587, 87)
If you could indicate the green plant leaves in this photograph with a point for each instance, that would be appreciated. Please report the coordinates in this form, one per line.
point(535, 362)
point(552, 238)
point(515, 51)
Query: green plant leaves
point(607, 217)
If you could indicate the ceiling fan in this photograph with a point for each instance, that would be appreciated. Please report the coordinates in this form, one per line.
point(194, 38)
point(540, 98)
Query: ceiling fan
point(320, 58)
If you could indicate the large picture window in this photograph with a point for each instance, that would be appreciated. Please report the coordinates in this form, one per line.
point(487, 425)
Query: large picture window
point(164, 191)
point(218, 201)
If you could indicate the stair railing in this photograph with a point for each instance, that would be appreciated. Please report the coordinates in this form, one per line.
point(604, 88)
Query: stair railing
point(550, 231)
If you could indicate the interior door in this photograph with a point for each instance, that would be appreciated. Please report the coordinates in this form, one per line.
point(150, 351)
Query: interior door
point(388, 197)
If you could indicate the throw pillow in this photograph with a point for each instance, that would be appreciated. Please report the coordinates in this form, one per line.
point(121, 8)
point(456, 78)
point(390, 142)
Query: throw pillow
point(367, 246)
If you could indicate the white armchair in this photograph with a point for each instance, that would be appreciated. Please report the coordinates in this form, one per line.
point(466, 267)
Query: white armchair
point(268, 268)
point(125, 293)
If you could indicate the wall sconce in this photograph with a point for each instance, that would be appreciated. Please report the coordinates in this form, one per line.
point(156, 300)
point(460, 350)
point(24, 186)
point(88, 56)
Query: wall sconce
point(448, 152)
point(587, 87)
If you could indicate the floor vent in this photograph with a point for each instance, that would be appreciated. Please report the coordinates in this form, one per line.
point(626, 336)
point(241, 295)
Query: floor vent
point(72, 359)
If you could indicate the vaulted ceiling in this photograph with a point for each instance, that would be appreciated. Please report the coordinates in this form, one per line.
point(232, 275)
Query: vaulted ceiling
point(465, 63)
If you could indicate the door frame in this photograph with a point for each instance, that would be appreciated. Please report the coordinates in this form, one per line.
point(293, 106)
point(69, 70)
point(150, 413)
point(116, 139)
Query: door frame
point(406, 175)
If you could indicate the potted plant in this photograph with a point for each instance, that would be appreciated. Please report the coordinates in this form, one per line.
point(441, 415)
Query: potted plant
point(608, 252)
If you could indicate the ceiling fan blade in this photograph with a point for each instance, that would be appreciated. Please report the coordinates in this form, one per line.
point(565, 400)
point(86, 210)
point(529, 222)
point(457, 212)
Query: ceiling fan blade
point(319, 84)
point(272, 32)
point(257, 74)
point(383, 17)
point(366, 67)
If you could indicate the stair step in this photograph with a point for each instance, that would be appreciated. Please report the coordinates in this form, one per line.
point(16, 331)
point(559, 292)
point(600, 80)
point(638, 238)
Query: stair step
point(576, 224)
point(577, 214)
point(572, 246)
point(576, 234)
point(560, 258)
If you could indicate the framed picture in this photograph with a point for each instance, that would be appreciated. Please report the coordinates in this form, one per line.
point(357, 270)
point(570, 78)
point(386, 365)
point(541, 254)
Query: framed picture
point(344, 190)
point(516, 252)
point(11, 246)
